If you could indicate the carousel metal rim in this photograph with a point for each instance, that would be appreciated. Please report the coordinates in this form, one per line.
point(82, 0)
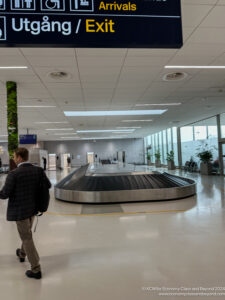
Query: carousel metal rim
point(121, 196)
point(125, 195)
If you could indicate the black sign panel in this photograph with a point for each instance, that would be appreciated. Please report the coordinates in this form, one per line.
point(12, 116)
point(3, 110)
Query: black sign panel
point(91, 23)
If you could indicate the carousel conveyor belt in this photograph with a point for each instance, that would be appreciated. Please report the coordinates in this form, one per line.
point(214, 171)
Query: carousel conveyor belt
point(83, 187)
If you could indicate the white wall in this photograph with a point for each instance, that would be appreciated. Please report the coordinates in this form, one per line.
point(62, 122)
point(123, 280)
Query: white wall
point(105, 149)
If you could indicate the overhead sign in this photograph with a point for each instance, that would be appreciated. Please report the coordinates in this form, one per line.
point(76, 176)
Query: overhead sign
point(27, 139)
point(91, 23)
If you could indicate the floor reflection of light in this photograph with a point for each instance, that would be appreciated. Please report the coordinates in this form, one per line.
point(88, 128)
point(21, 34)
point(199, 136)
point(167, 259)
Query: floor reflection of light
point(132, 218)
point(141, 235)
point(63, 223)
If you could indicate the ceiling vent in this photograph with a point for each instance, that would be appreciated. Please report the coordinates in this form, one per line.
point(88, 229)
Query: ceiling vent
point(59, 75)
point(177, 76)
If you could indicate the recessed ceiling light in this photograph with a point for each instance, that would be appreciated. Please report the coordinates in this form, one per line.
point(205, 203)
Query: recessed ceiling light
point(175, 76)
point(114, 113)
point(59, 75)
point(36, 106)
point(54, 129)
point(137, 120)
point(194, 67)
point(160, 104)
point(13, 67)
point(108, 130)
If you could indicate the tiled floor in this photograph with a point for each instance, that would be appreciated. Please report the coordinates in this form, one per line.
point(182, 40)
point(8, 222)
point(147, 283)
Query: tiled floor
point(116, 256)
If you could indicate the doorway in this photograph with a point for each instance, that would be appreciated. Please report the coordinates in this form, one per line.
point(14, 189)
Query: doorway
point(90, 157)
point(52, 162)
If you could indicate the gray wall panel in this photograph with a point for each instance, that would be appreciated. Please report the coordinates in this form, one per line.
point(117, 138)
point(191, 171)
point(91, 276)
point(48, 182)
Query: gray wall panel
point(104, 149)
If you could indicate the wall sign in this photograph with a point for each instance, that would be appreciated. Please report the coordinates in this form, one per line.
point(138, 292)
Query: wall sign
point(91, 23)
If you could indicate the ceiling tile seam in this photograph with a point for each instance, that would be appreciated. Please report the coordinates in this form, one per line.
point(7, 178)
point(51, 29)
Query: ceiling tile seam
point(41, 81)
point(116, 84)
point(203, 19)
point(79, 75)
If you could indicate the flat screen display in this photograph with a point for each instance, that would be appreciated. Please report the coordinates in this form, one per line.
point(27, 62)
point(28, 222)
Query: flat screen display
point(28, 139)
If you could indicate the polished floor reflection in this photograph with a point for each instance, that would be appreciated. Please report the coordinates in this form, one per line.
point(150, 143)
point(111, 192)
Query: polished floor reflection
point(118, 251)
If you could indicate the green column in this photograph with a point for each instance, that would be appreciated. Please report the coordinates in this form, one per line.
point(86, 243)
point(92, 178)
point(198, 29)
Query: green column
point(12, 117)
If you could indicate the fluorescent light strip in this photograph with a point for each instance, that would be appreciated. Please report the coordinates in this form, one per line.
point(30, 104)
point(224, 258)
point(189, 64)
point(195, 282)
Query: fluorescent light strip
point(121, 132)
point(51, 122)
point(194, 67)
point(65, 133)
point(114, 113)
point(36, 106)
point(54, 129)
point(103, 138)
point(109, 130)
point(13, 67)
point(138, 127)
point(68, 138)
point(137, 120)
point(160, 104)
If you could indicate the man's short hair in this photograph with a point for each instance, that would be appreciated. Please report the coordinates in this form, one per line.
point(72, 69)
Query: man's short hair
point(23, 153)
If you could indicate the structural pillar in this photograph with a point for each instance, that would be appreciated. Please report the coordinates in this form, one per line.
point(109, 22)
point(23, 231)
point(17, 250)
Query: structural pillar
point(12, 117)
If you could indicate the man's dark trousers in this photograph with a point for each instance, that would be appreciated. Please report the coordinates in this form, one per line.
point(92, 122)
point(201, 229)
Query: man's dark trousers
point(28, 248)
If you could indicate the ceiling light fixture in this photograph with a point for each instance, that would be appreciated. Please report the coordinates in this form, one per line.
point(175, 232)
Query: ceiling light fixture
point(103, 138)
point(68, 138)
point(109, 130)
point(137, 120)
point(53, 129)
point(51, 122)
point(13, 67)
point(122, 132)
point(65, 133)
point(138, 127)
point(160, 104)
point(36, 106)
point(114, 113)
point(194, 67)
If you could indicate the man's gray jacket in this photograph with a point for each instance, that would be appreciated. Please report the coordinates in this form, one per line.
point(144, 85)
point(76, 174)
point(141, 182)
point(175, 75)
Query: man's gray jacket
point(22, 188)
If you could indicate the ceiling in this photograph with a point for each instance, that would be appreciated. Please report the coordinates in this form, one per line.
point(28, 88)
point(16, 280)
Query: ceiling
point(118, 79)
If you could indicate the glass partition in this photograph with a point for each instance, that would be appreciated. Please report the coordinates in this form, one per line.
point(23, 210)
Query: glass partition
point(164, 147)
point(199, 137)
point(222, 123)
point(175, 145)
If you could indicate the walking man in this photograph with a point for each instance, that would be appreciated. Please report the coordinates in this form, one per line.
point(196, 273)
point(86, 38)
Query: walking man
point(22, 187)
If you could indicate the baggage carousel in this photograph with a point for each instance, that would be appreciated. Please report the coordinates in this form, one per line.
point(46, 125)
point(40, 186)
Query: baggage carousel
point(116, 184)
